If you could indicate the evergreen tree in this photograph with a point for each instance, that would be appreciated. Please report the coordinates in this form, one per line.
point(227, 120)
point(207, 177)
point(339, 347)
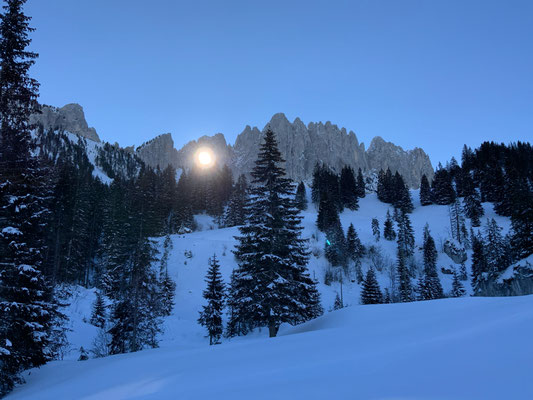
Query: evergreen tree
point(99, 314)
point(456, 220)
point(84, 356)
point(272, 284)
point(387, 298)
point(442, 191)
point(371, 293)
point(361, 190)
point(431, 286)
point(28, 312)
point(401, 196)
point(348, 189)
point(136, 309)
point(458, 289)
point(337, 305)
point(328, 214)
point(494, 248)
point(236, 213)
point(167, 285)
point(479, 263)
point(388, 228)
point(472, 201)
point(406, 238)
point(211, 315)
point(354, 248)
point(375, 229)
point(405, 288)
point(425, 191)
point(301, 197)
point(522, 223)
point(335, 246)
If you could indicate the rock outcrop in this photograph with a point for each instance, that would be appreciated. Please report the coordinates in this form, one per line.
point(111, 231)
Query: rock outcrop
point(301, 146)
point(70, 118)
point(222, 152)
point(304, 146)
point(159, 151)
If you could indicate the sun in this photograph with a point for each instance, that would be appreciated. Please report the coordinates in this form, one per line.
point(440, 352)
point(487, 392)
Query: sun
point(204, 157)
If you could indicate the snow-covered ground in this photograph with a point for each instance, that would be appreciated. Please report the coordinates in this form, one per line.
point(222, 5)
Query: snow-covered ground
point(468, 348)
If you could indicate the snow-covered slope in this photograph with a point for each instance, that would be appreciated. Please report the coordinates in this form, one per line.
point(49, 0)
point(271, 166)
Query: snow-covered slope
point(181, 328)
point(468, 348)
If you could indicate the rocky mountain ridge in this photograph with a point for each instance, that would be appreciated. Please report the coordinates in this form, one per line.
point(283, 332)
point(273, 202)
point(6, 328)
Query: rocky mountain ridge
point(302, 146)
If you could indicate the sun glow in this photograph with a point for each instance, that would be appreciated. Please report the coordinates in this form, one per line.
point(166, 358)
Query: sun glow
point(205, 158)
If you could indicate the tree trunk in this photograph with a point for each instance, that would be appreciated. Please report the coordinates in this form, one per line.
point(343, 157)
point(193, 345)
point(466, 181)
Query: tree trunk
point(272, 330)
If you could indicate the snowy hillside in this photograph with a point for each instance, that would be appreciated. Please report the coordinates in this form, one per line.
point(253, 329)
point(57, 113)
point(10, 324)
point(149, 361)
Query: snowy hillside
point(468, 348)
point(188, 263)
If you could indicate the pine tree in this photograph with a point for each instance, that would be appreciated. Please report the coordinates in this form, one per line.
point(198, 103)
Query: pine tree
point(388, 228)
point(522, 223)
point(375, 229)
point(458, 289)
point(328, 214)
point(401, 198)
point(337, 305)
point(361, 190)
point(348, 189)
point(406, 238)
point(335, 247)
point(236, 213)
point(99, 314)
point(167, 286)
point(371, 293)
point(456, 220)
point(405, 288)
point(479, 263)
point(387, 298)
point(84, 356)
point(354, 248)
point(272, 284)
point(28, 312)
point(211, 314)
point(494, 248)
point(425, 192)
point(301, 197)
point(136, 310)
point(431, 286)
point(442, 191)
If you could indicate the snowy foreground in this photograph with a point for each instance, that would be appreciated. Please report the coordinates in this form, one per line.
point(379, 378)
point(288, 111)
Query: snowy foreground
point(467, 348)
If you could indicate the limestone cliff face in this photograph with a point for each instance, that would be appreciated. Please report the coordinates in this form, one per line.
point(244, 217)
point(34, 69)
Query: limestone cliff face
point(69, 118)
point(222, 152)
point(411, 164)
point(159, 151)
point(301, 146)
point(304, 146)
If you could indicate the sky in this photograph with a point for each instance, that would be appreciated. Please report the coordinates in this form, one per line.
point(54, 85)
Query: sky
point(432, 74)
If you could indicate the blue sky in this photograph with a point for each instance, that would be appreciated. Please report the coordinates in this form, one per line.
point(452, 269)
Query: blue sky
point(433, 74)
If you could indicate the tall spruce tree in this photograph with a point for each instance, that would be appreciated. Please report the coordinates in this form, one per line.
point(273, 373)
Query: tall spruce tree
point(431, 286)
point(361, 189)
point(375, 229)
point(479, 263)
point(236, 211)
point(388, 228)
point(458, 289)
point(371, 293)
point(401, 196)
point(272, 283)
point(211, 314)
point(442, 191)
point(28, 312)
point(348, 189)
point(425, 192)
point(301, 197)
